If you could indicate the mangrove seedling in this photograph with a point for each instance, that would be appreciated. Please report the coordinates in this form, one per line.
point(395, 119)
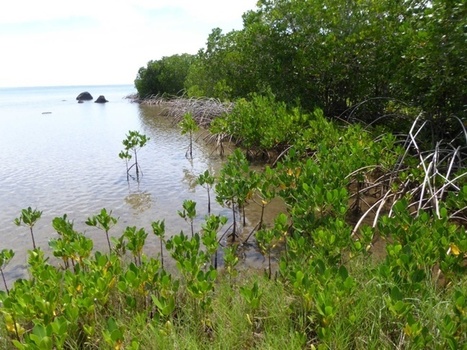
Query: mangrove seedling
point(62, 246)
point(211, 227)
point(265, 191)
point(136, 239)
point(268, 239)
point(5, 256)
point(29, 217)
point(126, 156)
point(207, 181)
point(133, 143)
point(219, 129)
point(235, 186)
point(120, 245)
point(189, 213)
point(71, 245)
point(266, 242)
point(189, 126)
point(103, 221)
point(158, 228)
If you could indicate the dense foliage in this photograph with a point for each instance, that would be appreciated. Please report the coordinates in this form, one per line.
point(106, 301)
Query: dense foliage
point(164, 76)
point(335, 55)
point(370, 251)
point(327, 283)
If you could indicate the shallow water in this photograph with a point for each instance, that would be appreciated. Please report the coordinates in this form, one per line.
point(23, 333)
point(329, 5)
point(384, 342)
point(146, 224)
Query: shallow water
point(61, 157)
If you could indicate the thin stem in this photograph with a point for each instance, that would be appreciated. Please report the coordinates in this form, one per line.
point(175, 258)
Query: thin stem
point(251, 233)
point(136, 162)
point(269, 263)
point(16, 327)
point(191, 145)
point(32, 236)
point(223, 235)
point(260, 224)
point(162, 253)
point(108, 241)
point(4, 282)
point(234, 230)
point(243, 215)
point(209, 201)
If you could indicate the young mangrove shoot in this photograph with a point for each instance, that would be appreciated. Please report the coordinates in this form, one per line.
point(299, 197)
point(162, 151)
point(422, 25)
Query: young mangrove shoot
point(188, 213)
point(5, 256)
point(133, 143)
point(29, 217)
point(158, 228)
point(206, 180)
point(103, 221)
point(189, 126)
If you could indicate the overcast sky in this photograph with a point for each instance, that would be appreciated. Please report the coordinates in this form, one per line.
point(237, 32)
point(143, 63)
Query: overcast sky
point(92, 42)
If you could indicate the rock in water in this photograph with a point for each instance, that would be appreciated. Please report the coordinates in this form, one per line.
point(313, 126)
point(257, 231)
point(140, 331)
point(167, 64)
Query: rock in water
point(84, 96)
point(101, 99)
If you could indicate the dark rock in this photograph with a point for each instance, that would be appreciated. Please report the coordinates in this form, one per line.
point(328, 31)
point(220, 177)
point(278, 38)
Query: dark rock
point(80, 101)
point(101, 99)
point(84, 96)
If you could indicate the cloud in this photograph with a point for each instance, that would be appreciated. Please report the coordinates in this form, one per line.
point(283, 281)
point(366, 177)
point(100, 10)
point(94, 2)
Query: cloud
point(103, 42)
point(211, 11)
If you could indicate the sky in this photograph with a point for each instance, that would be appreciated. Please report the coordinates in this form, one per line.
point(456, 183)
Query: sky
point(99, 42)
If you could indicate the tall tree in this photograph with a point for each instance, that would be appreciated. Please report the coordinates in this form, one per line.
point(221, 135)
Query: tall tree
point(164, 76)
point(433, 72)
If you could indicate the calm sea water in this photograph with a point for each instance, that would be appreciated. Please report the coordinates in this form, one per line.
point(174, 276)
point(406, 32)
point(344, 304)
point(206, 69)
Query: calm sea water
point(61, 157)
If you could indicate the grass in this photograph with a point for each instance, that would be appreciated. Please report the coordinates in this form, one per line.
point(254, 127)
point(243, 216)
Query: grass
point(363, 321)
point(232, 323)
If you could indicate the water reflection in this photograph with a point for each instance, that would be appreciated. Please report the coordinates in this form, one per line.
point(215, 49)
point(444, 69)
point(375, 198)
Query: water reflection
point(140, 201)
point(190, 178)
point(152, 122)
point(137, 199)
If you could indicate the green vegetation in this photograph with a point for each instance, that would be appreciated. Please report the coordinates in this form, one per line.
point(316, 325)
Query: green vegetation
point(234, 187)
point(29, 217)
point(133, 143)
point(103, 221)
point(5, 256)
point(360, 109)
point(188, 126)
point(207, 180)
point(356, 60)
point(163, 77)
point(189, 213)
point(326, 283)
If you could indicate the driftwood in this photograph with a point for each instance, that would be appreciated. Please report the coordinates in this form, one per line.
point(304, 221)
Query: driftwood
point(203, 110)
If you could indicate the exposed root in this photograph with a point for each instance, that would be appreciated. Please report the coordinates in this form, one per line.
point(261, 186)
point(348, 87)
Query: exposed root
point(203, 110)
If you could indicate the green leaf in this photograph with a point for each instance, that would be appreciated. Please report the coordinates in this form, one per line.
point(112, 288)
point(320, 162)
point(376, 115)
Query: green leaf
point(116, 335)
point(396, 294)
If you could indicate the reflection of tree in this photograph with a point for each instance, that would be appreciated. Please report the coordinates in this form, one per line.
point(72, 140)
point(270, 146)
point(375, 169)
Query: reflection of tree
point(139, 201)
point(190, 177)
point(152, 120)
